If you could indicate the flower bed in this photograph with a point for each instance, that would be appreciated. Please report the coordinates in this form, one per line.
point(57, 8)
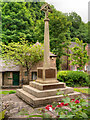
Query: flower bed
point(69, 108)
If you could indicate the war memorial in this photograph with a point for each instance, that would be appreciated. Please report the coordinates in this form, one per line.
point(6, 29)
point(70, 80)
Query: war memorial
point(43, 90)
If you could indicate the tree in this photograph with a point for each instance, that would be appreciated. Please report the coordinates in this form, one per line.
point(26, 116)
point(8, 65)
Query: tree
point(22, 54)
point(78, 29)
point(18, 20)
point(78, 54)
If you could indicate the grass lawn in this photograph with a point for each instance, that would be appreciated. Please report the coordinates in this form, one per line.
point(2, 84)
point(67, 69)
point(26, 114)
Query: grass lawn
point(7, 92)
point(83, 90)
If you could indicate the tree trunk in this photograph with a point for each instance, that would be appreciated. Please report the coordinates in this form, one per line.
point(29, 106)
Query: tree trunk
point(21, 83)
point(28, 75)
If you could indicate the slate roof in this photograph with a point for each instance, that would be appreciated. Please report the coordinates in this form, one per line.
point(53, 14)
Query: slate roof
point(52, 55)
point(9, 67)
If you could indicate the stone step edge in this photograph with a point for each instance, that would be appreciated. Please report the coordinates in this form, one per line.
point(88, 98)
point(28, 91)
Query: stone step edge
point(36, 99)
point(45, 93)
point(47, 86)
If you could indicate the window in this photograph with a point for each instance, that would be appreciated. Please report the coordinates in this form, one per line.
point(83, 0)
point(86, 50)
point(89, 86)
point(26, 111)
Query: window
point(34, 75)
point(8, 74)
point(26, 74)
point(88, 68)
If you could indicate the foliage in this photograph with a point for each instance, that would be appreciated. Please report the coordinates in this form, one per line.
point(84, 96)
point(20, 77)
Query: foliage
point(78, 56)
point(8, 92)
point(2, 114)
point(88, 32)
point(75, 19)
point(24, 19)
point(82, 90)
point(71, 108)
point(73, 78)
point(22, 53)
point(67, 108)
point(18, 20)
point(23, 112)
point(12, 91)
point(78, 29)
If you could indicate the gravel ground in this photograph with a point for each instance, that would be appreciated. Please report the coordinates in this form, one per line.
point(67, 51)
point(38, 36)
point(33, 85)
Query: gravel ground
point(15, 107)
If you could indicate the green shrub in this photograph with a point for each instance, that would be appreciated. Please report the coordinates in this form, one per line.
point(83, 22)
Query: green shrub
point(73, 78)
point(12, 91)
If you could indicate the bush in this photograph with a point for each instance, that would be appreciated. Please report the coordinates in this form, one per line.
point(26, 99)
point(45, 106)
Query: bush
point(12, 91)
point(73, 78)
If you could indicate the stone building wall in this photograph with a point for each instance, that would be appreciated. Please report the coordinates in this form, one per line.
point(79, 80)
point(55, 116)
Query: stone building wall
point(34, 69)
point(8, 78)
point(0, 79)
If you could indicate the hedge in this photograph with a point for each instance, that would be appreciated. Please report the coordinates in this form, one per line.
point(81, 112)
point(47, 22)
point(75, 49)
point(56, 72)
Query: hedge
point(73, 78)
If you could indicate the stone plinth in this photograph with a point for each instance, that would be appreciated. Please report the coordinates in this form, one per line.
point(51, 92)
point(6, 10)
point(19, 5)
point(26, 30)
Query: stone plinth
point(41, 86)
point(46, 75)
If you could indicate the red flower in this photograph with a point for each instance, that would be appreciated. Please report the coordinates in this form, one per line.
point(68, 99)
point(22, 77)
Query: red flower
point(48, 107)
point(72, 100)
point(77, 101)
point(58, 106)
point(65, 104)
point(62, 104)
point(53, 108)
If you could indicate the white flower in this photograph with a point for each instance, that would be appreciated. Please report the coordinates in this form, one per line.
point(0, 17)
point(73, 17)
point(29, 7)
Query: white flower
point(59, 103)
point(50, 109)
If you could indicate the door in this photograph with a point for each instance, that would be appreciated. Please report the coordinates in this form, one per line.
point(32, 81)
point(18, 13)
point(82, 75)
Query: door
point(34, 75)
point(15, 78)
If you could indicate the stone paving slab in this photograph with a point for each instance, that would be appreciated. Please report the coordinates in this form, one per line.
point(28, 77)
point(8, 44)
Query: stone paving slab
point(14, 106)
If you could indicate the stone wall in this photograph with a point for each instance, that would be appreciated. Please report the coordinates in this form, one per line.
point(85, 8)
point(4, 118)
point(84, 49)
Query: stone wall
point(23, 78)
point(0, 79)
point(34, 69)
point(8, 78)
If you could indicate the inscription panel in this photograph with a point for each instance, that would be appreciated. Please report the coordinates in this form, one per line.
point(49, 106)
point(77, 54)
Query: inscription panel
point(50, 73)
point(40, 73)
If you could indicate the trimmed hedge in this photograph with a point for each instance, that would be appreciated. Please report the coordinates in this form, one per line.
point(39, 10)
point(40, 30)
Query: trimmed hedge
point(73, 78)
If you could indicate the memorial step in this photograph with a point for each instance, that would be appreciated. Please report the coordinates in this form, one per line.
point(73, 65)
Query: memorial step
point(41, 86)
point(45, 93)
point(37, 102)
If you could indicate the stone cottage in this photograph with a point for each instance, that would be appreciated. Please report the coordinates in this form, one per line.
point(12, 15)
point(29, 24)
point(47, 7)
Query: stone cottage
point(11, 75)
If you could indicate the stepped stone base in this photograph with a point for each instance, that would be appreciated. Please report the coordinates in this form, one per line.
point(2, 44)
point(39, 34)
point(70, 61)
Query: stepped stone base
point(37, 94)
point(41, 86)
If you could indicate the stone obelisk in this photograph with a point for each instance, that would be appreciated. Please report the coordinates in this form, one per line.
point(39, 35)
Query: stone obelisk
point(46, 39)
point(46, 74)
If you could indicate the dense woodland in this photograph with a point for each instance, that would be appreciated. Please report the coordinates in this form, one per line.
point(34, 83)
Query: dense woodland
point(25, 20)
